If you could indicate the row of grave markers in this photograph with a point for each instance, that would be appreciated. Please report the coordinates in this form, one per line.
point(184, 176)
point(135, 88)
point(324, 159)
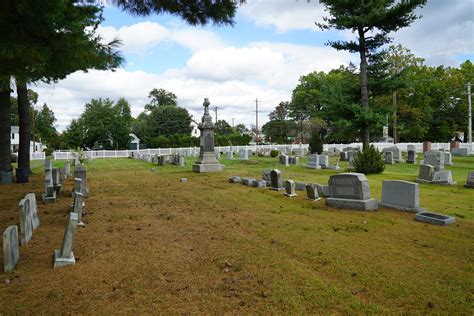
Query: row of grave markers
point(351, 191)
point(29, 219)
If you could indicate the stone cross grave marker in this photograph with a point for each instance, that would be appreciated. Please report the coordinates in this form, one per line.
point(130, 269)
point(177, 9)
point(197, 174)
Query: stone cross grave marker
point(26, 222)
point(290, 188)
point(65, 256)
point(11, 250)
point(350, 190)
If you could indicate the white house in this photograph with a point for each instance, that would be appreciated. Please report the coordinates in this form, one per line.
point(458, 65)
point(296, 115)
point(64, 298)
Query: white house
point(15, 142)
point(195, 132)
point(134, 143)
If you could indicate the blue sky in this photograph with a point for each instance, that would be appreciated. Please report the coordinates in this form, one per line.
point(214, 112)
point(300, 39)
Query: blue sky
point(272, 44)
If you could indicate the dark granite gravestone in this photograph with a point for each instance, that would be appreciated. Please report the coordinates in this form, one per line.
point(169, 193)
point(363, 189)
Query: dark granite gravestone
point(276, 181)
point(207, 161)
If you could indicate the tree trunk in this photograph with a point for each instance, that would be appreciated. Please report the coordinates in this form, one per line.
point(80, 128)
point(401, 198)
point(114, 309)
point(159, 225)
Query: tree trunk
point(23, 170)
point(394, 121)
point(5, 128)
point(364, 92)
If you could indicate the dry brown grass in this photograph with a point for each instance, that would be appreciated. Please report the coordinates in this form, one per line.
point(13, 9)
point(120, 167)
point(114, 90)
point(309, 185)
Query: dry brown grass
point(154, 245)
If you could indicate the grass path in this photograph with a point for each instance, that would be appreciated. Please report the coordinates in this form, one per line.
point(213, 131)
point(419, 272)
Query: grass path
point(153, 244)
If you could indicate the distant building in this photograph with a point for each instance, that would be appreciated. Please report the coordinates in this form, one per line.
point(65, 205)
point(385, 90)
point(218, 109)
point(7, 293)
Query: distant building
point(134, 142)
point(195, 132)
point(15, 142)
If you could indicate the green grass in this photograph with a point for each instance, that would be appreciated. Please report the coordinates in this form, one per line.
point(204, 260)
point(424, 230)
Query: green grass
point(155, 245)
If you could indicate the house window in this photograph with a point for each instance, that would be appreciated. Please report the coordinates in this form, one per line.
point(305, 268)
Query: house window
point(13, 135)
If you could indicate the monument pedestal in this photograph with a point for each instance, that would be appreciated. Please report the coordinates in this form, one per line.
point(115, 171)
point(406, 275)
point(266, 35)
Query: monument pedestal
point(362, 205)
point(61, 262)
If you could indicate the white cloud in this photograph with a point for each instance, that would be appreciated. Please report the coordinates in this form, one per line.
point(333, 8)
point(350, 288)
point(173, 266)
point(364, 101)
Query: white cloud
point(444, 32)
point(284, 15)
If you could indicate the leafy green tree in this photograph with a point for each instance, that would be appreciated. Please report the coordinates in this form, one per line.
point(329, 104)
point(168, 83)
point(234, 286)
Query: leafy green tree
point(223, 128)
point(372, 21)
point(315, 143)
point(46, 41)
point(193, 12)
point(44, 126)
point(161, 97)
point(74, 135)
point(241, 129)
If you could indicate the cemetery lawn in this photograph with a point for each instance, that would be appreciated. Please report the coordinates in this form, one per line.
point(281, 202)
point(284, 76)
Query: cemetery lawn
point(154, 245)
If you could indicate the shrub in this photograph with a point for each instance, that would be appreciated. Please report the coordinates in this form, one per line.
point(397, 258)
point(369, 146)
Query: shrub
point(274, 153)
point(48, 151)
point(14, 158)
point(315, 143)
point(369, 161)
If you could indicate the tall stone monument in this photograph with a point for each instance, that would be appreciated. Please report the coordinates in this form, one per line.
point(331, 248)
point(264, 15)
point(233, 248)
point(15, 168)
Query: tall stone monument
point(207, 161)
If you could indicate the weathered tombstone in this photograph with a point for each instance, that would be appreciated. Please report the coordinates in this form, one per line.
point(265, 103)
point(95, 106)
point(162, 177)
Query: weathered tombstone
point(426, 146)
point(81, 173)
point(411, 156)
point(267, 176)
point(65, 256)
point(290, 188)
point(77, 186)
point(313, 162)
point(388, 157)
point(434, 218)
point(350, 190)
point(324, 161)
point(50, 194)
point(161, 160)
point(435, 159)
point(443, 177)
point(294, 160)
point(454, 144)
point(448, 159)
point(56, 180)
point(470, 180)
point(312, 192)
point(230, 155)
point(300, 186)
point(234, 179)
point(6, 177)
point(248, 181)
point(344, 156)
point(33, 210)
point(181, 161)
point(396, 153)
point(207, 161)
point(183, 180)
point(259, 184)
point(426, 174)
point(26, 222)
point(276, 181)
point(460, 152)
point(67, 168)
point(401, 195)
point(243, 154)
point(411, 147)
point(284, 160)
point(11, 251)
point(78, 207)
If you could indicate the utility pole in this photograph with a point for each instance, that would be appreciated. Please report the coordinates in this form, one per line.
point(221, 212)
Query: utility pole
point(233, 122)
point(215, 111)
point(256, 119)
point(469, 114)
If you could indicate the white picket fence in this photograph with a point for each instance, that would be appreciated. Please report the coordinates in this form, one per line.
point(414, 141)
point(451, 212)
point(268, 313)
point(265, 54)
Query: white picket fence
point(94, 154)
point(37, 155)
